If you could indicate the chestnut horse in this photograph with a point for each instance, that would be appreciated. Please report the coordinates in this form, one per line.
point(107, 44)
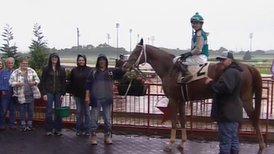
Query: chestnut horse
point(161, 62)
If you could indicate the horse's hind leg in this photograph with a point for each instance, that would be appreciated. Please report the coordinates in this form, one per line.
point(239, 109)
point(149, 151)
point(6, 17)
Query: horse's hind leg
point(182, 122)
point(168, 146)
point(252, 118)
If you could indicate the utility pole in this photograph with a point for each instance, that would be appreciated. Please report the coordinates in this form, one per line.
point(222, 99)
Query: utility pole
point(78, 35)
point(130, 39)
point(152, 40)
point(138, 37)
point(108, 37)
point(117, 27)
point(250, 37)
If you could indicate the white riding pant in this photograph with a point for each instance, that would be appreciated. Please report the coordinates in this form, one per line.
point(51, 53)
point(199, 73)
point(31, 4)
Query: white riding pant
point(193, 60)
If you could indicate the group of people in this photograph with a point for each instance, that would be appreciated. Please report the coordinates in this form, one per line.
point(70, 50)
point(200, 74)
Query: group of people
point(19, 87)
point(93, 88)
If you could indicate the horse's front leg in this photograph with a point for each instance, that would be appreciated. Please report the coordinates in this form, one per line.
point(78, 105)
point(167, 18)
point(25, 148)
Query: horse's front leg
point(182, 122)
point(168, 146)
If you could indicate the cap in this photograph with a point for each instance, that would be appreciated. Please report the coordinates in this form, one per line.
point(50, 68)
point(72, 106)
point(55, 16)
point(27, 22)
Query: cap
point(225, 55)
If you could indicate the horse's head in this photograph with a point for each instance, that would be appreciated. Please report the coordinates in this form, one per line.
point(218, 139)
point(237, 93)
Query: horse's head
point(138, 56)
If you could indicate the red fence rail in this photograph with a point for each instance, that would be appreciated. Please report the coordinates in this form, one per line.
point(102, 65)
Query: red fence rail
point(141, 113)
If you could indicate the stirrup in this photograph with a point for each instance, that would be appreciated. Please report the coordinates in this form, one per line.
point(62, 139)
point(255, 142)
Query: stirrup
point(186, 78)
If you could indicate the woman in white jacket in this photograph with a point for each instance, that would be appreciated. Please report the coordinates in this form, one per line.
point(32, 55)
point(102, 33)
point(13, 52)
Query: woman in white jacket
point(24, 81)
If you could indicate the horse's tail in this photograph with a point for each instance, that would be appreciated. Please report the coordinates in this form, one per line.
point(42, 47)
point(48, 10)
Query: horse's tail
point(257, 90)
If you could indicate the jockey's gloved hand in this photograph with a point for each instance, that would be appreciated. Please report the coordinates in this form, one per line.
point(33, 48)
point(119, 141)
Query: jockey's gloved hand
point(185, 55)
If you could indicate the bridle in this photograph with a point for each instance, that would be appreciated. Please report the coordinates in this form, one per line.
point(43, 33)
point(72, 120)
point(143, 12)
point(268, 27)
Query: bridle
point(143, 51)
point(135, 65)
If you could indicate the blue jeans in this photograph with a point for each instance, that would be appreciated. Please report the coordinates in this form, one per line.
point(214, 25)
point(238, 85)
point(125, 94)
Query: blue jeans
point(228, 137)
point(23, 108)
point(82, 115)
point(51, 123)
point(7, 104)
point(106, 113)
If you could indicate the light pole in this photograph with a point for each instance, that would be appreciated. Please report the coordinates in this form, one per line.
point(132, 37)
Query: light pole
point(117, 27)
point(250, 37)
point(152, 40)
point(130, 31)
point(78, 35)
point(108, 37)
point(138, 37)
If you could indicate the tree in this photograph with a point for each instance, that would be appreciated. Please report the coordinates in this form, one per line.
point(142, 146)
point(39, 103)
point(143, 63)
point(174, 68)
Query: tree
point(8, 49)
point(247, 56)
point(38, 49)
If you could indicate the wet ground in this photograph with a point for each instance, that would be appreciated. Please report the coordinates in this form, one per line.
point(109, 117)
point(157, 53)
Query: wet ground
point(35, 142)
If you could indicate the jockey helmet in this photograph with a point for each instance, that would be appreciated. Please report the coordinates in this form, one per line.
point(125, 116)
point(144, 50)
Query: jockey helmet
point(197, 18)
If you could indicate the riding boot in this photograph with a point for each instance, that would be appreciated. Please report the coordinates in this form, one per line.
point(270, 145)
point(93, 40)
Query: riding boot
point(186, 76)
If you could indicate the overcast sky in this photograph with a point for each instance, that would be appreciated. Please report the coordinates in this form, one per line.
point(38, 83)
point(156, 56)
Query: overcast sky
point(229, 22)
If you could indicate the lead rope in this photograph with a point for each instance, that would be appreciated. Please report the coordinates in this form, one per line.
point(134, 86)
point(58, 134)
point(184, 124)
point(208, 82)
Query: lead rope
point(136, 63)
point(128, 87)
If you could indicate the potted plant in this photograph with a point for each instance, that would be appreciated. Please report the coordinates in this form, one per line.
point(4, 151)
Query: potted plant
point(132, 84)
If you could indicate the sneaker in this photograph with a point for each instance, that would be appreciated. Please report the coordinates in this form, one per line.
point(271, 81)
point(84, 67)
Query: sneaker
point(28, 128)
point(23, 128)
point(86, 134)
point(93, 140)
point(78, 133)
point(58, 133)
point(108, 139)
point(49, 134)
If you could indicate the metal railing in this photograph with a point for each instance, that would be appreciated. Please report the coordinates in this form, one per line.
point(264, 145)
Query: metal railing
point(141, 113)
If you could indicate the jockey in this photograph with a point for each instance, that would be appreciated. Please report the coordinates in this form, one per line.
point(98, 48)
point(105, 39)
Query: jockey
point(199, 48)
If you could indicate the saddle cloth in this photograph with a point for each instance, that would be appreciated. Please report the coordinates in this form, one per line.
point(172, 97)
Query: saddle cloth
point(198, 71)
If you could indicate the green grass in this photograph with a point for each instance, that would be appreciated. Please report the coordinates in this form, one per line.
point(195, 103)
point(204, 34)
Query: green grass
point(262, 63)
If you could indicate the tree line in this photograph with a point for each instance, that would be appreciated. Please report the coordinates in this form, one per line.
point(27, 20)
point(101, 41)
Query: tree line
point(39, 51)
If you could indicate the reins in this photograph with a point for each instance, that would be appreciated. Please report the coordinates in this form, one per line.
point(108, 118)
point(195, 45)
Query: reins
point(135, 66)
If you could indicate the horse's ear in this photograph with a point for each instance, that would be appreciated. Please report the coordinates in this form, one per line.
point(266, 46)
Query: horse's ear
point(141, 41)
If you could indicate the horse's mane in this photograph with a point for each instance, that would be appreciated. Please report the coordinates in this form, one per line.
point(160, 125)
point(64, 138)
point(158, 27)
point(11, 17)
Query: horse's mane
point(161, 51)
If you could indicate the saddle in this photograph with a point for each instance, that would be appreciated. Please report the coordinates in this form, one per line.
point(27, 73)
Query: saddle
point(197, 72)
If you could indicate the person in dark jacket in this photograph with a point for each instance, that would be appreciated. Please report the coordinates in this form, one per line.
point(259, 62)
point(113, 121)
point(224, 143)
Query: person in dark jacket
point(8, 104)
point(78, 77)
point(99, 95)
point(227, 104)
point(120, 62)
point(53, 82)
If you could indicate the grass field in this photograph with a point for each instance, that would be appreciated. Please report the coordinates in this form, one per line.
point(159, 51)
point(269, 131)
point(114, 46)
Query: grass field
point(262, 62)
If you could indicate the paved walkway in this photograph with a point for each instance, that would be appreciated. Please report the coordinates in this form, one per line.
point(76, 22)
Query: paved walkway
point(16, 142)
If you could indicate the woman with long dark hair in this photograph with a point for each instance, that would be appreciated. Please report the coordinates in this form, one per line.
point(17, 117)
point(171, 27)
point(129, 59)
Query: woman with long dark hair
point(53, 90)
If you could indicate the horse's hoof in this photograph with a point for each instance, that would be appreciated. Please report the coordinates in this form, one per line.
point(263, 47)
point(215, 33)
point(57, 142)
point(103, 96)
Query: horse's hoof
point(262, 146)
point(180, 147)
point(168, 147)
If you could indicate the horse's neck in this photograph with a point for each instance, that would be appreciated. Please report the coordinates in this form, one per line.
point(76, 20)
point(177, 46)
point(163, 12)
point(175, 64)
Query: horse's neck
point(161, 63)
